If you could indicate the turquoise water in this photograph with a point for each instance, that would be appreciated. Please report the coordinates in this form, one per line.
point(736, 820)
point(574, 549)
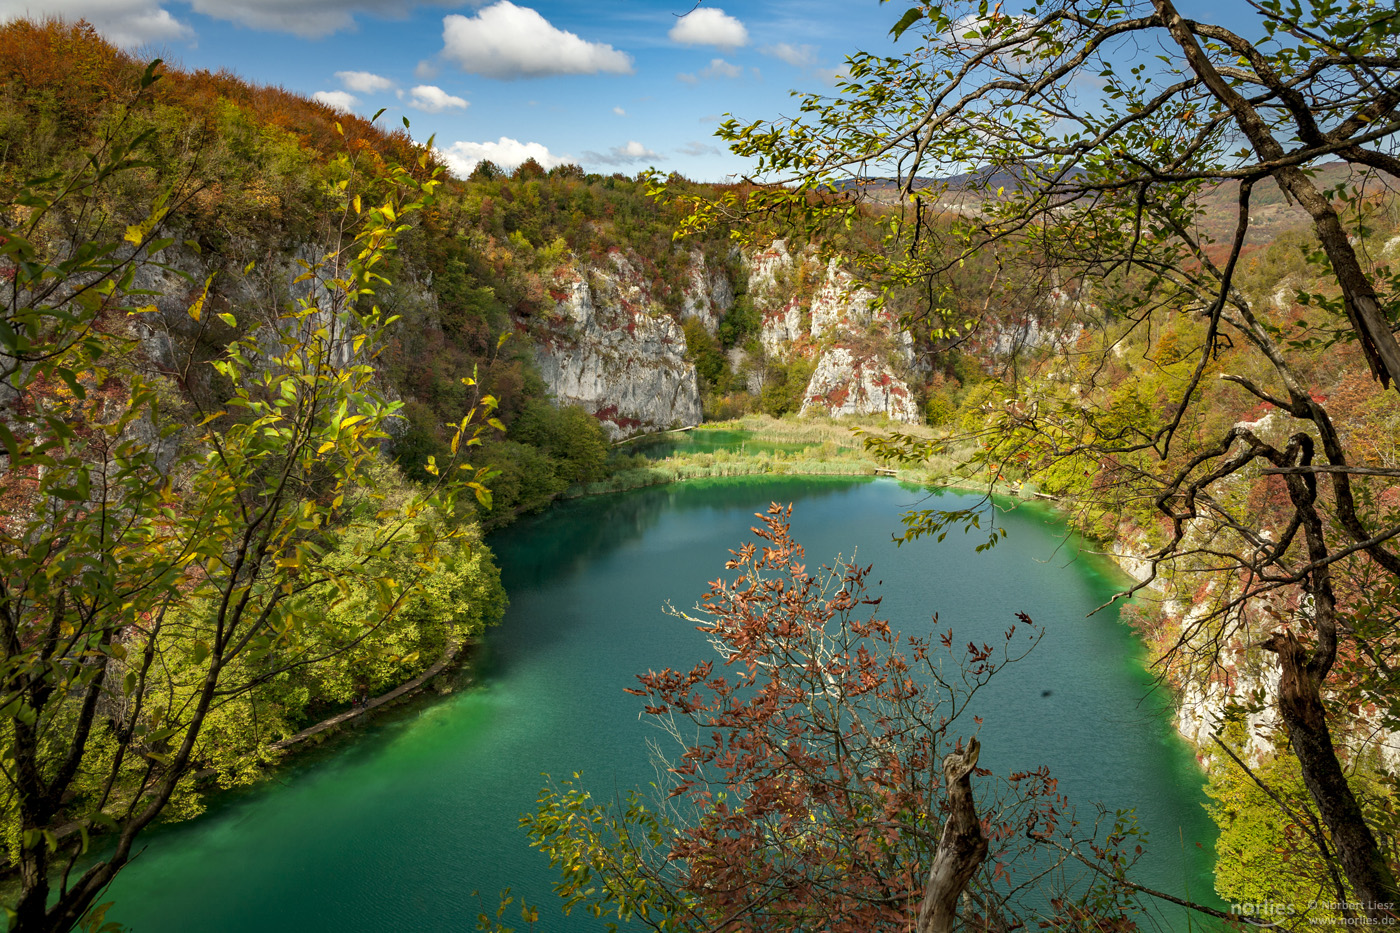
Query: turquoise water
point(396, 826)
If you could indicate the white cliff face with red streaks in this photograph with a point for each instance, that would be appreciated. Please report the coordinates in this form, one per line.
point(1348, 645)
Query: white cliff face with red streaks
point(771, 290)
point(862, 353)
point(840, 304)
point(845, 383)
point(611, 348)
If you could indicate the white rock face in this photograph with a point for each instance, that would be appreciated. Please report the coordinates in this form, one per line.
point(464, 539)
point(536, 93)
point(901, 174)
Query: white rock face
point(612, 350)
point(708, 294)
point(765, 267)
point(779, 311)
point(839, 302)
point(845, 384)
point(1030, 334)
point(782, 327)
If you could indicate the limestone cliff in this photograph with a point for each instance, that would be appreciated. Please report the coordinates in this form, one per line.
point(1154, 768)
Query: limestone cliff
point(708, 293)
point(772, 293)
point(861, 351)
point(610, 345)
point(847, 384)
point(611, 348)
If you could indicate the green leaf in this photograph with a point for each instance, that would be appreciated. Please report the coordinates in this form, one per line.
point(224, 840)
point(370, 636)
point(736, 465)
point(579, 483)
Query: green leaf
point(910, 17)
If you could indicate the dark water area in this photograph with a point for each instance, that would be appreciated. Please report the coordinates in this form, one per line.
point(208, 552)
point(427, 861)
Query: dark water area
point(395, 826)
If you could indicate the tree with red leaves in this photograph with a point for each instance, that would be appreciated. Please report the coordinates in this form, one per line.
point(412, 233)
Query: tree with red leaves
point(824, 780)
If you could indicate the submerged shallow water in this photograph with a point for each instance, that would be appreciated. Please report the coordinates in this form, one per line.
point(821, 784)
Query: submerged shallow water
point(395, 826)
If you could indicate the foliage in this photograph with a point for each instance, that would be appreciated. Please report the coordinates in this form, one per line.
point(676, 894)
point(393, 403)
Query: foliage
point(806, 791)
point(785, 386)
point(571, 437)
point(1177, 407)
point(152, 575)
point(1266, 853)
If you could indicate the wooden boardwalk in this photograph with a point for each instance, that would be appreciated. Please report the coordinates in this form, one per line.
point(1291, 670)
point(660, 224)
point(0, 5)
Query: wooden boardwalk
point(402, 690)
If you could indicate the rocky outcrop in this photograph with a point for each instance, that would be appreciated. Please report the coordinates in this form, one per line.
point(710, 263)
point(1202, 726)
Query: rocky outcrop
point(610, 348)
point(708, 293)
point(840, 304)
point(855, 373)
point(845, 383)
point(774, 297)
point(1008, 338)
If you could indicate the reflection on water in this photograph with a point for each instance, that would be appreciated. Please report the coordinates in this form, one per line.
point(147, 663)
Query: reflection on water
point(396, 829)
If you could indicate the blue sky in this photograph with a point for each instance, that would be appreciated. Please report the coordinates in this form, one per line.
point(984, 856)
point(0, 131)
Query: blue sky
point(613, 86)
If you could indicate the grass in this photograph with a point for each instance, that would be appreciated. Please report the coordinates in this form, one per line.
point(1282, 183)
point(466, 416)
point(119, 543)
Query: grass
point(830, 449)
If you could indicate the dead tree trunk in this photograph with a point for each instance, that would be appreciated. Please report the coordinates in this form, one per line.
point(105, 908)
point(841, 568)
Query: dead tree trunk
point(961, 848)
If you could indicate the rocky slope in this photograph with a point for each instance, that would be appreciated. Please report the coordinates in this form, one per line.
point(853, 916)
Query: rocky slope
point(611, 348)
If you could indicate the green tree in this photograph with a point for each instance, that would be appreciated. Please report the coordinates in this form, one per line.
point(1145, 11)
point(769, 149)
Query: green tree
point(1105, 199)
point(570, 436)
point(150, 573)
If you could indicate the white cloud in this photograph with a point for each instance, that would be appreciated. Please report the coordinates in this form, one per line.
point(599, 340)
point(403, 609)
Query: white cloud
point(1015, 35)
point(127, 23)
point(697, 148)
point(340, 100)
point(462, 157)
point(433, 99)
point(717, 68)
point(629, 154)
point(306, 18)
point(426, 70)
point(709, 26)
point(619, 111)
point(507, 41)
point(798, 56)
point(364, 81)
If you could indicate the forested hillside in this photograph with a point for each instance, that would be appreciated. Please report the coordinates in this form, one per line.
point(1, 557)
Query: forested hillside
point(270, 375)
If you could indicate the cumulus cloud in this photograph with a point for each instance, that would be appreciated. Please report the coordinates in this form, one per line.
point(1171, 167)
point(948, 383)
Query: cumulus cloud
point(717, 68)
point(798, 56)
point(364, 81)
point(433, 99)
point(619, 111)
point(306, 18)
point(507, 41)
point(462, 157)
point(132, 23)
point(127, 23)
point(709, 26)
point(340, 100)
point(629, 154)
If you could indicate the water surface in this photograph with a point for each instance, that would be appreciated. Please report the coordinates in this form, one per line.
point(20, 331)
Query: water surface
point(394, 827)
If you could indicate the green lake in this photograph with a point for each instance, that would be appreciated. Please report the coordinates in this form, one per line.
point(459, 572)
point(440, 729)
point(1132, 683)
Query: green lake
point(394, 827)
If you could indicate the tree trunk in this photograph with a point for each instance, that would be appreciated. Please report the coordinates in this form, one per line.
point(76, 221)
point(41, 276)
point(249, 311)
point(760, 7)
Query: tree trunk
point(1300, 701)
point(961, 848)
